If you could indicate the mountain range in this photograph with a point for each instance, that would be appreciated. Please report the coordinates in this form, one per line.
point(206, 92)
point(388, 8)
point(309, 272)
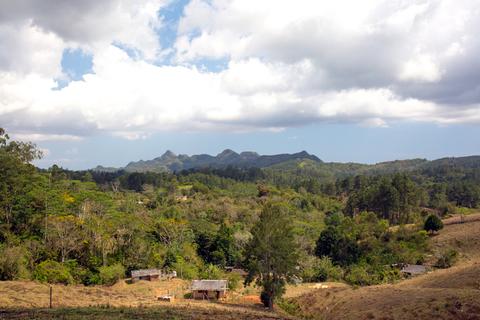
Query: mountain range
point(169, 161)
point(304, 161)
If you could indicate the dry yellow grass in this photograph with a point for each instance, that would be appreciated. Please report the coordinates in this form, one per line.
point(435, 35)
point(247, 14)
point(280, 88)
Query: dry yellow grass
point(28, 299)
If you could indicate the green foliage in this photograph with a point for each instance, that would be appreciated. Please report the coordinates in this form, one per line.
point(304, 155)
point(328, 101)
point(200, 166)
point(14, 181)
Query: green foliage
point(109, 275)
point(433, 223)
point(234, 280)
point(447, 259)
point(358, 275)
point(92, 219)
point(272, 253)
point(325, 270)
point(290, 306)
point(212, 272)
point(375, 248)
point(13, 263)
point(185, 270)
point(339, 246)
point(53, 272)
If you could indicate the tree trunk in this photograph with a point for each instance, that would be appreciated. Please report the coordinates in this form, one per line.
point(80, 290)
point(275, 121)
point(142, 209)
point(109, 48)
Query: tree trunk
point(270, 302)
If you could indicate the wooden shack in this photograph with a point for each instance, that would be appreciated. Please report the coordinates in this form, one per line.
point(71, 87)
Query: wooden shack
point(146, 274)
point(209, 289)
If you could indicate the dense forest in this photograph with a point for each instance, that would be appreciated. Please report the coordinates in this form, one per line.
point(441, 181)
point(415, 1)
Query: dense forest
point(94, 227)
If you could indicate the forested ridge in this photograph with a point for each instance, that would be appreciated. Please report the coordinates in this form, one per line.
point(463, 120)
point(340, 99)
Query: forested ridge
point(93, 227)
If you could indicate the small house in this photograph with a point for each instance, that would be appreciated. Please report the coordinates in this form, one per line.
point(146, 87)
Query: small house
point(411, 270)
point(146, 274)
point(209, 289)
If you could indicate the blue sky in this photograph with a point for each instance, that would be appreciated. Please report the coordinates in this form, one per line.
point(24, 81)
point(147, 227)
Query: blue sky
point(105, 84)
point(330, 142)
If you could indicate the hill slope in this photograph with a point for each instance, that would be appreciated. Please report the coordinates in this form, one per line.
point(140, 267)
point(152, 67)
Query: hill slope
point(442, 294)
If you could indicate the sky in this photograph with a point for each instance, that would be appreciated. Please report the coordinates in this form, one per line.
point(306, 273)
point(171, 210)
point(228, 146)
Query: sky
point(109, 82)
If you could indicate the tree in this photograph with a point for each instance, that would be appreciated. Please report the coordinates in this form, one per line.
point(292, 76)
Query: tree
point(433, 223)
point(338, 246)
point(272, 253)
point(15, 179)
point(64, 235)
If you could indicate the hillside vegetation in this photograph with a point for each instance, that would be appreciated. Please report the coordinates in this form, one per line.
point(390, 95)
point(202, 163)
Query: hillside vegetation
point(295, 220)
point(452, 293)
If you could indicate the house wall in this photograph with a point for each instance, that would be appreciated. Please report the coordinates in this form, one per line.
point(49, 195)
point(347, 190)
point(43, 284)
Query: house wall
point(203, 294)
point(148, 278)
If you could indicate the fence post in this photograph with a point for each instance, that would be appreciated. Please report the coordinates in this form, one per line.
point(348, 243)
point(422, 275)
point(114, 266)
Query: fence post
point(51, 289)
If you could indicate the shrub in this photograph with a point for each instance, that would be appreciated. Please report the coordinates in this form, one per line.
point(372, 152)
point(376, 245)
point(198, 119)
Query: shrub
point(233, 280)
point(92, 279)
point(326, 270)
point(13, 263)
point(212, 272)
point(358, 275)
point(109, 275)
point(184, 269)
point(447, 259)
point(433, 223)
point(290, 306)
point(79, 273)
point(53, 272)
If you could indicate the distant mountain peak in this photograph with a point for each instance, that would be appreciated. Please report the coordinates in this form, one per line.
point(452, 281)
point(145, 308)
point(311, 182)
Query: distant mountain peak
point(168, 155)
point(305, 154)
point(227, 153)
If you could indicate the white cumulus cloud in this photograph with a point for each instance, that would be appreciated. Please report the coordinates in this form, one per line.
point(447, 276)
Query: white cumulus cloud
point(285, 63)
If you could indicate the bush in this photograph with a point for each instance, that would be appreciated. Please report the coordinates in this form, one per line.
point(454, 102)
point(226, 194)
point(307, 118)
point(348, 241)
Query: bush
point(290, 306)
point(13, 264)
point(212, 272)
point(109, 275)
point(326, 270)
point(358, 275)
point(233, 280)
point(433, 223)
point(53, 272)
point(184, 269)
point(447, 259)
point(79, 273)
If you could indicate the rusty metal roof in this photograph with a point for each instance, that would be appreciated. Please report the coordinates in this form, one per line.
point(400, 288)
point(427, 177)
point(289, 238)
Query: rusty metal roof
point(209, 285)
point(146, 272)
point(414, 269)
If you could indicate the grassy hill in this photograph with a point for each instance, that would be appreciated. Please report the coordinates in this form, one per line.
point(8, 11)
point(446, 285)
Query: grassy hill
point(452, 293)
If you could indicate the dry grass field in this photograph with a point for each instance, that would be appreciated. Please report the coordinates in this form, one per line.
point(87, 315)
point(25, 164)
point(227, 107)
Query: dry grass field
point(442, 294)
point(30, 300)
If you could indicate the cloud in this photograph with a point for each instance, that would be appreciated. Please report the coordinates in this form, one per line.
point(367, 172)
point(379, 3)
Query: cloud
point(417, 47)
point(287, 64)
point(90, 23)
